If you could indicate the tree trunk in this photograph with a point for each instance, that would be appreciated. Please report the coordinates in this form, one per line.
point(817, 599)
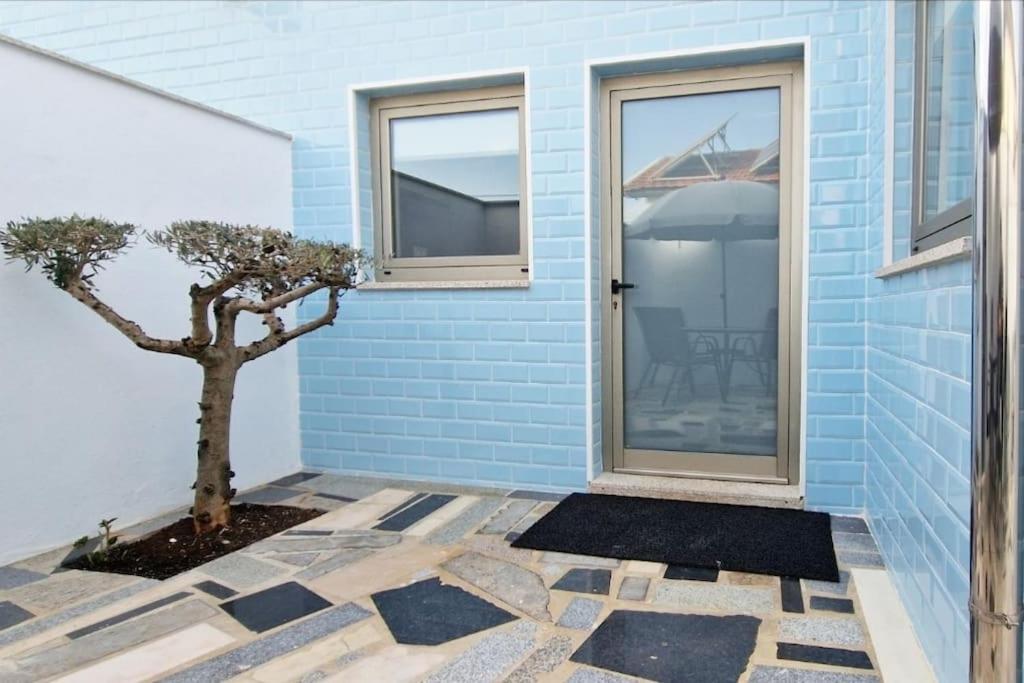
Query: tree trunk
point(212, 510)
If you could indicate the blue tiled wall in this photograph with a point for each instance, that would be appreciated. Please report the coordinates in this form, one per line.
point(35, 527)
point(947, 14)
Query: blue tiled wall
point(490, 386)
point(918, 394)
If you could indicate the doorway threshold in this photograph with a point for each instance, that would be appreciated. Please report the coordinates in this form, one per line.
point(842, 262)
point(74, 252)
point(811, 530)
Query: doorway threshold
point(699, 490)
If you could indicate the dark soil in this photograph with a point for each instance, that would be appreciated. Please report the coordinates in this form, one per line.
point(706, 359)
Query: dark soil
point(176, 548)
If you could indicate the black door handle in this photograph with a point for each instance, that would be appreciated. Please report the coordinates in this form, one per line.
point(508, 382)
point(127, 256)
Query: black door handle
point(619, 286)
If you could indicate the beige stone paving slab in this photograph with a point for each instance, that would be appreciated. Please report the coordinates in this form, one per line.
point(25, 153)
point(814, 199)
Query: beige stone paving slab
point(746, 579)
point(359, 514)
point(387, 569)
point(65, 588)
point(438, 519)
point(295, 664)
point(397, 664)
point(644, 568)
point(154, 658)
point(67, 656)
point(514, 585)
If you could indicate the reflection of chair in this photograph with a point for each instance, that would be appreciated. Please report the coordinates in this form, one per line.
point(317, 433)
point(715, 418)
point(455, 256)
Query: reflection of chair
point(668, 344)
point(760, 351)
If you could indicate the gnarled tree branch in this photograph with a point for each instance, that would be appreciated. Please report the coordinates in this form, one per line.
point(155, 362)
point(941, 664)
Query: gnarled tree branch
point(278, 336)
point(126, 327)
point(268, 305)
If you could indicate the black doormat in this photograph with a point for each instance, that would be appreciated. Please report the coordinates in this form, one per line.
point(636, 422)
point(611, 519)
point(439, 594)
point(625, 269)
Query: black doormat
point(731, 537)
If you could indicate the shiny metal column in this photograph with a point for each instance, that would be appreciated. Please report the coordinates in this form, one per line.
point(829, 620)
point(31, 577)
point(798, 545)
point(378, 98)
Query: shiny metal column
point(995, 435)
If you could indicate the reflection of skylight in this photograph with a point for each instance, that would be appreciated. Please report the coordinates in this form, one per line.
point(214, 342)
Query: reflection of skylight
point(464, 133)
point(488, 177)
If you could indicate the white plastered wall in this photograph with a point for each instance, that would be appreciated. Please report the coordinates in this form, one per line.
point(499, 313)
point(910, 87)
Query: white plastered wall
point(90, 426)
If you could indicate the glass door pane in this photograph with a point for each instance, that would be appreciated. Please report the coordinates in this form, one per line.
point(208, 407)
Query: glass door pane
point(700, 242)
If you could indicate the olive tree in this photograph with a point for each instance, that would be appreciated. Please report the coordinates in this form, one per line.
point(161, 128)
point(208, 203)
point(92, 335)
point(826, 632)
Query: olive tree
point(245, 270)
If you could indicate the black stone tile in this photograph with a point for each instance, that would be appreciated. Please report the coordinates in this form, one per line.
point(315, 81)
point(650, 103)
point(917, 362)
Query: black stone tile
point(814, 654)
point(678, 571)
point(538, 495)
point(512, 536)
point(792, 595)
point(130, 614)
point(293, 479)
point(11, 614)
point(415, 512)
point(268, 495)
point(272, 607)
point(850, 525)
point(215, 589)
point(430, 613)
point(596, 581)
point(671, 647)
point(843, 605)
point(404, 504)
point(307, 532)
point(331, 496)
point(81, 551)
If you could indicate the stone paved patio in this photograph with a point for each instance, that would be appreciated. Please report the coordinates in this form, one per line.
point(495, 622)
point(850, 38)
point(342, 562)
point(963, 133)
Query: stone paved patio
point(407, 582)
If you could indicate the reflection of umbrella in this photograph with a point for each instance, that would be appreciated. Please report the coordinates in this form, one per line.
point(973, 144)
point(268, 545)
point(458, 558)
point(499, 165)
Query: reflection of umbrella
point(724, 210)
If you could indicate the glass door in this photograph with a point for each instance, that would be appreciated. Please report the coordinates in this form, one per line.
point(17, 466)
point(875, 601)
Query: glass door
point(700, 289)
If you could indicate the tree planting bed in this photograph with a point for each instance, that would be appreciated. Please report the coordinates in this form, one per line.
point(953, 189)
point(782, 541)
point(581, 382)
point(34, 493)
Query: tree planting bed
point(176, 548)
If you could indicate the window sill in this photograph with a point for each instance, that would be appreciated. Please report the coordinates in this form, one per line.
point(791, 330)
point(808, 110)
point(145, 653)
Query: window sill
point(950, 251)
point(444, 284)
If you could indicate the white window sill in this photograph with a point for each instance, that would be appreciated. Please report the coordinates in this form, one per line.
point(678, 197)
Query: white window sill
point(950, 251)
point(445, 284)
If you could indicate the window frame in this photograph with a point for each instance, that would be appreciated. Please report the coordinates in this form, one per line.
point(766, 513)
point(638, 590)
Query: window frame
point(957, 220)
point(388, 266)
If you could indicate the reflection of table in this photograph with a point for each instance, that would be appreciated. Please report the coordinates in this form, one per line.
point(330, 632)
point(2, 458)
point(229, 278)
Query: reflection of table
point(727, 352)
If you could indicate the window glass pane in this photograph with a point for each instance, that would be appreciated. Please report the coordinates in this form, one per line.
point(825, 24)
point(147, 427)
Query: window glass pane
point(949, 105)
point(455, 184)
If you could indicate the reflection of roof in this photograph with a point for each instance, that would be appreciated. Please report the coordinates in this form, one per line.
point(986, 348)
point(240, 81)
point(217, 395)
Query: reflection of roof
point(488, 177)
point(709, 158)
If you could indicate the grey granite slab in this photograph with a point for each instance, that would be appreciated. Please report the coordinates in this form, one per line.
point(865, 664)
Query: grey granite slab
point(74, 654)
point(830, 587)
point(538, 495)
point(296, 559)
point(130, 614)
point(257, 652)
point(268, 495)
point(585, 674)
point(342, 559)
point(859, 542)
point(80, 549)
point(294, 479)
point(707, 596)
point(778, 674)
point(464, 523)
point(551, 557)
point(342, 539)
point(65, 588)
point(855, 558)
point(852, 525)
point(543, 660)
point(11, 614)
point(307, 532)
point(43, 624)
point(580, 613)
point(530, 519)
point(241, 571)
point(634, 588)
point(352, 488)
point(822, 630)
point(215, 589)
point(13, 577)
point(508, 516)
point(490, 658)
point(508, 582)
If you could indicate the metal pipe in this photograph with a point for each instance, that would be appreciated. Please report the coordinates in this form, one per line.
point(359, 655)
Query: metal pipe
point(995, 422)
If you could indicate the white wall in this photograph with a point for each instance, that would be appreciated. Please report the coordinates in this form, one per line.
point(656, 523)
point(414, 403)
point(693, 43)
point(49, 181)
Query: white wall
point(90, 426)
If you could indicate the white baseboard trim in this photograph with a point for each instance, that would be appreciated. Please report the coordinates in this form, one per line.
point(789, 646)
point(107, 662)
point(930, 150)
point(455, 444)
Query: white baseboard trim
point(899, 654)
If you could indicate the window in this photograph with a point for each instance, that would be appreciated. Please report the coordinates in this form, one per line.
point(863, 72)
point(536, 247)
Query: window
point(450, 200)
point(944, 122)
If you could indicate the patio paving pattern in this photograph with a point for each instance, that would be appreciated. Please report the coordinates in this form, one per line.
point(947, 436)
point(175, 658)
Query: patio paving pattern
point(403, 581)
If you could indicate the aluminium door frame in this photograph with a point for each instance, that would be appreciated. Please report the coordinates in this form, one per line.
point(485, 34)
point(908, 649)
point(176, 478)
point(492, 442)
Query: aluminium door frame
point(788, 76)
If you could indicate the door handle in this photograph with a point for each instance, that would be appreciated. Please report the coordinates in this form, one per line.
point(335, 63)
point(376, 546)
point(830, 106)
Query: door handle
point(619, 286)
